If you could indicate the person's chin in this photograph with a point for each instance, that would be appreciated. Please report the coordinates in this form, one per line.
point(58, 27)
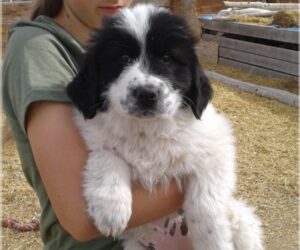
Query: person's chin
point(109, 10)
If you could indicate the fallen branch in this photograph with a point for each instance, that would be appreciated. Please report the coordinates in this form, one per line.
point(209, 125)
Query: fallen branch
point(279, 95)
point(268, 6)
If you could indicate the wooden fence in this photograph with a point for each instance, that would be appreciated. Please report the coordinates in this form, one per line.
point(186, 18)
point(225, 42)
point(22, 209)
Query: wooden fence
point(258, 49)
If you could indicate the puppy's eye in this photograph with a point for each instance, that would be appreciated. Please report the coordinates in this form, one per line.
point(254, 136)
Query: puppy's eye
point(166, 59)
point(126, 59)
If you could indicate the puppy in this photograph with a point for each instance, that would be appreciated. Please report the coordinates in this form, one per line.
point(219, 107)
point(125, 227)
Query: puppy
point(143, 108)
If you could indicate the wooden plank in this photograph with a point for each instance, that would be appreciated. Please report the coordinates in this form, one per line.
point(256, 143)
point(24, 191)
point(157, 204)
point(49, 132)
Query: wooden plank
point(211, 6)
point(254, 69)
point(251, 30)
point(209, 9)
point(210, 37)
point(269, 63)
point(259, 49)
point(277, 94)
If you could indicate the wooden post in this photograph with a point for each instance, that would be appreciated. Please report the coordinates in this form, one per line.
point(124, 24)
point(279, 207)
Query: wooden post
point(188, 10)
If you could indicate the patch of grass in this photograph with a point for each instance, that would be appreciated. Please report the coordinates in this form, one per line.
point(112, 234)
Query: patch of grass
point(18, 201)
point(267, 133)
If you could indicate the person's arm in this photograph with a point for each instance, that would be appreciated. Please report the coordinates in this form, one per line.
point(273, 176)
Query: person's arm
point(60, 155)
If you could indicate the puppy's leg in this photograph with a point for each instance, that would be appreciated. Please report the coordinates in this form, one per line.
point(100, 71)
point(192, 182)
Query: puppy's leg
point(107, 189)
point(207, 217)
point(247, 232)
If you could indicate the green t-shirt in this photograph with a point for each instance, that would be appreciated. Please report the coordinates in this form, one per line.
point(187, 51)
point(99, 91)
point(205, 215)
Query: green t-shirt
point(41, 59)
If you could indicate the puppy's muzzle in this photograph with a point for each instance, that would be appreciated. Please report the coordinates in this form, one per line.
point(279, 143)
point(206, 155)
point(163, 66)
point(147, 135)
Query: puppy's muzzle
point(146, 97)
point(144, 100)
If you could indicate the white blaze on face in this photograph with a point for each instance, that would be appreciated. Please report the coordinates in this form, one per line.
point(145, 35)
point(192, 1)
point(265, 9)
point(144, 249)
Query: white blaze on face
point(137, 19)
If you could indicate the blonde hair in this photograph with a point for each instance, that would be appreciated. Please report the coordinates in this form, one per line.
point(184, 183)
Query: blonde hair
point(49, 8)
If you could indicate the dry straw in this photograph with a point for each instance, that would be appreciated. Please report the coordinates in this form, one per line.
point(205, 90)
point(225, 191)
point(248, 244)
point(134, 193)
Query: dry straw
point(284, 18)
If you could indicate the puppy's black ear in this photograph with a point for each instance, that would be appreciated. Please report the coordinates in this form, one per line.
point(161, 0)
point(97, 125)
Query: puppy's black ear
point(200, 92)
point(84, 89)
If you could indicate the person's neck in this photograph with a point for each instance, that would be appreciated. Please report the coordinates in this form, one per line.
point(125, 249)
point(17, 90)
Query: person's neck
point(71, 24)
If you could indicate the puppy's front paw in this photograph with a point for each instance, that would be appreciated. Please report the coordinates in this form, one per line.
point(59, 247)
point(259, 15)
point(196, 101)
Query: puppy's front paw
point(111, 215)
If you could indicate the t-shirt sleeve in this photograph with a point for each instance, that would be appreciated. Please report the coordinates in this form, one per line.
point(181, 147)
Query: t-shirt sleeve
point(39, 71)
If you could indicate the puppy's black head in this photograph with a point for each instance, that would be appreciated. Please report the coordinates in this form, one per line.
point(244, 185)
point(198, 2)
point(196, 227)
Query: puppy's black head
point(172, 42)
point(109, 51)
point(143, 52)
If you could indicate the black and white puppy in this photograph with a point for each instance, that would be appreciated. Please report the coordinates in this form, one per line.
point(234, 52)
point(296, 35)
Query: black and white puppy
point(139, 98)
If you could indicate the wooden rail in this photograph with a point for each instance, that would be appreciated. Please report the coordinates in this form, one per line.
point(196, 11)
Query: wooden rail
point(257, 49)
point(251, 30)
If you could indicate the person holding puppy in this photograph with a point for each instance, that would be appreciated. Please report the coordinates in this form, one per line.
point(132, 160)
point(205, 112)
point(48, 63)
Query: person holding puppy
point(42, 57)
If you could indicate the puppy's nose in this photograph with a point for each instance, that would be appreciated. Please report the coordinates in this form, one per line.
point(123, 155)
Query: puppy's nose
point(146, 96)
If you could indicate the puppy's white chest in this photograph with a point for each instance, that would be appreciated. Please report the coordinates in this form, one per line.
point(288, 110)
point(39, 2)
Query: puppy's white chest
point(164, 149)
point(153, 157)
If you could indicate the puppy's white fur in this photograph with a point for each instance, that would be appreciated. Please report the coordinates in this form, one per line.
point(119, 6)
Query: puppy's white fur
point(121, 151)
point(172, 145)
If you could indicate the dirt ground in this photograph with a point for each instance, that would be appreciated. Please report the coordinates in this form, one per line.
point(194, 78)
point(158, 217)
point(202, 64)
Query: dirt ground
point(267, 133)
point(10, 13)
